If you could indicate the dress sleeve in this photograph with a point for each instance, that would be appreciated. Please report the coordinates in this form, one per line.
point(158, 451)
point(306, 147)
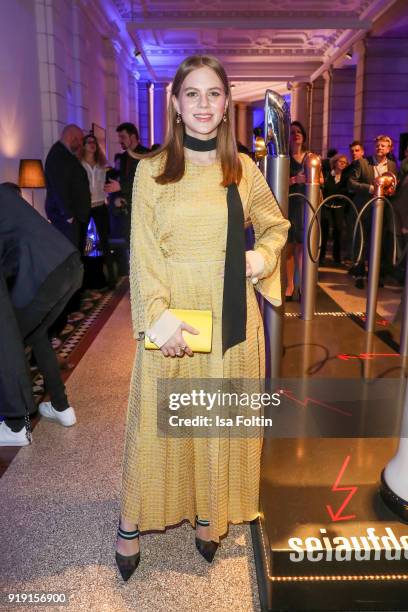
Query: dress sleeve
point(271, 230)
point(149, 286)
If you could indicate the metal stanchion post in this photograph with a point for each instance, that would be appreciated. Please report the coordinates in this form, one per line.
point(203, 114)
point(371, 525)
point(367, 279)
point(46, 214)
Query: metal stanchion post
point(394, 478)
point(273, 151)
point(382, 186)
point(312, 166)
point(404, 325)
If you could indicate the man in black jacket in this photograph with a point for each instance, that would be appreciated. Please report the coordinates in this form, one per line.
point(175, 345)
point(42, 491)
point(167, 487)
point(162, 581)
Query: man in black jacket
point(68, 201)
point(39, 272)
point(360, 184)
point(122, 190)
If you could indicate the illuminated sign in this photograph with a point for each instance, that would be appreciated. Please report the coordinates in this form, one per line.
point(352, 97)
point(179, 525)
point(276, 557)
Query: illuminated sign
point(369, 547)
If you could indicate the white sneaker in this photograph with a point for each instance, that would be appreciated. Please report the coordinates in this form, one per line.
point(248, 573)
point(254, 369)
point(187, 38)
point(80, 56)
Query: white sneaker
point(8, 437)
point(65, 417)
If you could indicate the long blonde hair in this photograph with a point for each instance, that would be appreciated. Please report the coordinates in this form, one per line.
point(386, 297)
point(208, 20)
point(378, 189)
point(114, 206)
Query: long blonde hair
point(99, 157)
point(227, 152)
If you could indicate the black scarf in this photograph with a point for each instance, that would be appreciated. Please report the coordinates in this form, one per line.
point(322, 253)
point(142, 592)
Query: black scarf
point(234, 307)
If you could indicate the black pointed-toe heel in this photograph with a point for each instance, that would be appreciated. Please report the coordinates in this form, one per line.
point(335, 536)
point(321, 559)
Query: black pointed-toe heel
point(206, 548)
point(127, 564)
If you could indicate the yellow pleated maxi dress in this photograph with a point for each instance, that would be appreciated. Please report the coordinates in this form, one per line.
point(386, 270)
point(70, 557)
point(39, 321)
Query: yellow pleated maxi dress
point(178, 244)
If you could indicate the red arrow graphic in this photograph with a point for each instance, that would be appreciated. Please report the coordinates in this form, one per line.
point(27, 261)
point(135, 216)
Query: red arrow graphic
point(365, 356)
point(372, 355)
point(382, 322)
point(352, 490)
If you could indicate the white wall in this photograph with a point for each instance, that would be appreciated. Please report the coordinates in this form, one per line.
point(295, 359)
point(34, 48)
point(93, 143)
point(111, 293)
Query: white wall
point(20, 109)
point(54, 70)
point(94, 72)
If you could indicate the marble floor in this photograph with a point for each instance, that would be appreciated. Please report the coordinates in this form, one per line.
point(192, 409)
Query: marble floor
point(340, 286)
point(59, 503)
point(59, 498)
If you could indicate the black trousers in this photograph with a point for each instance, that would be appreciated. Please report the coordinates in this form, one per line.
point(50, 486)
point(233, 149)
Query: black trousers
point(332, 217)
point(349, 222)
point(34, 321)
point(76, 233)
point(100, 215)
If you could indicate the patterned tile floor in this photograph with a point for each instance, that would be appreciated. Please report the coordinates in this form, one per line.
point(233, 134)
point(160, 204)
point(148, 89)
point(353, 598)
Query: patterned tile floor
point(73, 343)
point(78, 326)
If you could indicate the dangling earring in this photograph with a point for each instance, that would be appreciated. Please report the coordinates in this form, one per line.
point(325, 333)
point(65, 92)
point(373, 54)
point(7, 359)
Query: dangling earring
point(178, 118)
point(224, 117)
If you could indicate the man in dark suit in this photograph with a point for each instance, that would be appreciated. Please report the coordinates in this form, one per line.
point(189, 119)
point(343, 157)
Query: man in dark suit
point(68, 201)
point(360, 184)
point(39, 272)
point(121, 189)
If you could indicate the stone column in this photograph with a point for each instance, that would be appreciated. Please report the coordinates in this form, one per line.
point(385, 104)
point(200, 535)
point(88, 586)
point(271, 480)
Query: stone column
point(327, 78)
point(143, 108)
point(150, 97)
point(341, 116)
point(360, 51)
point(55, 92)
point(300, 106)
point(250, 127)
point(315, 128)
point(80, 83)
point(160, 112)
point(133, 98)
point(112, 96)
point(381, 96)
point(241, 111)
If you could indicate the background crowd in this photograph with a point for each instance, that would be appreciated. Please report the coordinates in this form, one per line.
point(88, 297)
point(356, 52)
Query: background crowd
point(41, 272)
point(350, 178)
point(82, 189)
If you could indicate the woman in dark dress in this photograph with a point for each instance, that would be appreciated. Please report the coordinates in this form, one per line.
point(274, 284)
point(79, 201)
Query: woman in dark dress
point(335, 182)
point(297, 179)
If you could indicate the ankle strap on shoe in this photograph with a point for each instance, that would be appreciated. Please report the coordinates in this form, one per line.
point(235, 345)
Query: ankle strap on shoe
point(202, 522)
point(128, 535)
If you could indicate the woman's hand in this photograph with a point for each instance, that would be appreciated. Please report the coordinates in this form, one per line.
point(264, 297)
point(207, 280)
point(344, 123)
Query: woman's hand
point(248, 272)
point(112, 187)
point(176, 345)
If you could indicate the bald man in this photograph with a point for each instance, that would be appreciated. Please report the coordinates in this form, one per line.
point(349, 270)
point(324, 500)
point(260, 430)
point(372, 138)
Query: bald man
point(68, 201)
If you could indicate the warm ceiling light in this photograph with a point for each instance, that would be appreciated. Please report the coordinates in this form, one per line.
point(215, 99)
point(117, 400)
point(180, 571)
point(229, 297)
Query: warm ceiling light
point(349, 55)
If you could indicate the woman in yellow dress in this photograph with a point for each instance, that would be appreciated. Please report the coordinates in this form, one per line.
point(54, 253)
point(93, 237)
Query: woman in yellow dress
point(191, 199)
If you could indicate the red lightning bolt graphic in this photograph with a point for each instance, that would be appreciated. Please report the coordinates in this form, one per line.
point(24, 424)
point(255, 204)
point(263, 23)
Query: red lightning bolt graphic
point(338, 516)
point(309, 400)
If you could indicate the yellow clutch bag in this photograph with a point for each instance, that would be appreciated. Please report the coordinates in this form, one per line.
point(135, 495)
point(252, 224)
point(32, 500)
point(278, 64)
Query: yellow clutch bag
point(201, 320)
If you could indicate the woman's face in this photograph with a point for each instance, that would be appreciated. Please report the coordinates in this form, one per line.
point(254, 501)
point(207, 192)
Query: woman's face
point(90, 145)
point(296, 136)
point(201, 102)
point(340, 164)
